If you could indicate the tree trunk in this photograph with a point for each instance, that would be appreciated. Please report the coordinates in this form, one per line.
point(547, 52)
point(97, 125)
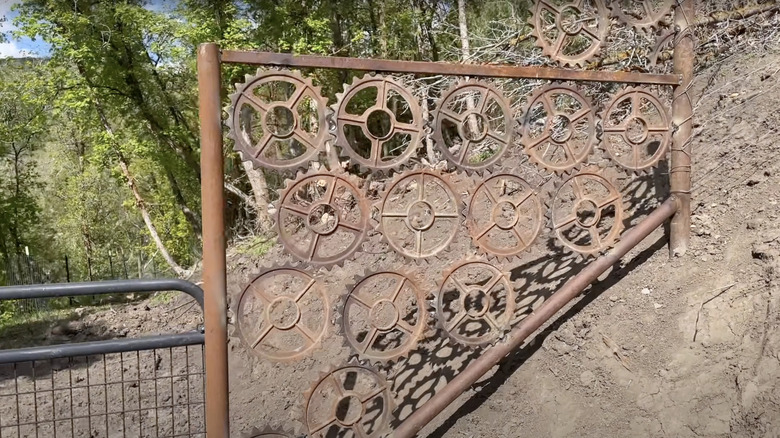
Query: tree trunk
point(260, 192)
point(465, 49)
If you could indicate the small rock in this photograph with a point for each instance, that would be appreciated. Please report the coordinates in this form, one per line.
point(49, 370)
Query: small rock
point(587, 378)
point(613, 298)
point(646, 291)
point(657, 306)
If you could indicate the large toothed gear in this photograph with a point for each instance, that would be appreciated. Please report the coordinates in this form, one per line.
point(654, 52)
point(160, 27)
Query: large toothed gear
point(419, 214)
point(637, 129)
point(384, 315)
point(559, 128)
point(571, 33)
point(379, 124)
point(283, 314)
point(270, 432)
point(663, 50)
point(322, 218)
point(277, 120)
point(644, 15)
point(475, 303)
point(473, 126)
point(504, 216)
point(349, 398)
point(587, 212)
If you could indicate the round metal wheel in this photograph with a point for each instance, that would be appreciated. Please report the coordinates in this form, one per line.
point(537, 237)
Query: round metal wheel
point(570, 32)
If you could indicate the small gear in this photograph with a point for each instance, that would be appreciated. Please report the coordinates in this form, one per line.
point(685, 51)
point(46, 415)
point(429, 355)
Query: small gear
point(322, 218)
point(504, 216)
point(559, 128)
point(419, 214)
point(384, 315)
point(379, 124)
point(475, 303)
point(282, 314)
point(643, 15)
point(571, 33)
point(270, 432)
point(349, 398)
point(587, 212)
point(277, 120)
point(637, 129)
point(473, 126)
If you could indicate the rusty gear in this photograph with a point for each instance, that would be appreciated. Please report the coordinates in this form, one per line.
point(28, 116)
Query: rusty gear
point(270, 432)
point(283, 314)
point(349, 398)
point(504, 216)
point(475, 303)
point(571, 33)
point(386, 132)
point(664, 48)
point(388, 309)
point(643, 15)
point(473, 126)
point(322, 218)
point(287, 122)
point(559, 128)
point(587, 212)
point(637, 129)
point(414, 207)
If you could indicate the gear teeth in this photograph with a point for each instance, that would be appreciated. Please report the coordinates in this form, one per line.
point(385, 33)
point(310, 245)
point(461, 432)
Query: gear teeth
point(648, 24)
point(576, 61)
point(488, 339)
point(386, 393)
point(662, 38)
point(488, 90)
point(363, 164)
point(247, 151)
point(458, 207)
point(336, 177)
point(270, 432)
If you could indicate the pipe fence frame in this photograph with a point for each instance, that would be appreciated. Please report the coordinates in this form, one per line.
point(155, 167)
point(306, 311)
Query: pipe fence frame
point(677, 207)
point(112, 386)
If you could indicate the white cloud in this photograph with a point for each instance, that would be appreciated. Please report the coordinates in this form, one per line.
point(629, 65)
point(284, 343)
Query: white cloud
point(11, 50)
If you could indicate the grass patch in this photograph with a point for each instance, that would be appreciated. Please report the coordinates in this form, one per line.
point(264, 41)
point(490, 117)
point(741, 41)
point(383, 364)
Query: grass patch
point(256, 246)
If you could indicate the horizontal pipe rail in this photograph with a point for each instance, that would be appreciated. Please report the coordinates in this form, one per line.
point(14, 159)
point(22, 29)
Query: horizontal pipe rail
point(529, 325)
point(100, 288)
point(441, 68)
point(48, 352)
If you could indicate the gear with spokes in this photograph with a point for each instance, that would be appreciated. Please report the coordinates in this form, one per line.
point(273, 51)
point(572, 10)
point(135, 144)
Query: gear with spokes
point(419, 214)
point(349, 398)
point(473, 126)
point(277, 120)
point(570, 32)
point(644, 15)
point(384, 316)
point(559, 128)
point(504, 216)
point(587, 213)
point(475, 303)
point(637, 129)
point(282, 314)
point(270, 432)
point(379, 123)
point(322, 218)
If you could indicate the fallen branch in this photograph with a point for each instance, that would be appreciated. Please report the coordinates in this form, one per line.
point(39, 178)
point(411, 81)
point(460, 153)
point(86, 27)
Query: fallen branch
point(720, 291)
point(737, 14)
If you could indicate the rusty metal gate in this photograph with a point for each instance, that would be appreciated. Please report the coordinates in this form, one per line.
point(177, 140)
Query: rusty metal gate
point(279, 120)
point(125, 387)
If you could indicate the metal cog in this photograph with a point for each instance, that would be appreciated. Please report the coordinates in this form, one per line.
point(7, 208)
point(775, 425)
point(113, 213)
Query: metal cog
point(648, 19)
point(504, 209)
point(350, 397)
point(322, 210)
point(378, 141)
point(658, 56)
point(413, 204)
point(286, 121)
point(473, 126)
point(270, 432)
point(574, 23)
point(637, 129)
point(270, 318)
point(577, 212)
point(381, 305)
point(470, 307)
point(559, 128)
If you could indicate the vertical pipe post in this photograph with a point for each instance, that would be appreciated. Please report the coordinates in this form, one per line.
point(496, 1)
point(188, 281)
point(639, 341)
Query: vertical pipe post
point(213, 205)
point(682, 118)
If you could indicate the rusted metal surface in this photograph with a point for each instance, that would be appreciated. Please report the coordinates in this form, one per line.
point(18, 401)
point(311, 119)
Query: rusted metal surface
point(441, 68)
point(214, 261)
point(570, 33)
point(682, 119)
point(283, 314)
point(645, 15)
point(270, 432)
point(384, 316)
point(515, 338)
point(277, 120)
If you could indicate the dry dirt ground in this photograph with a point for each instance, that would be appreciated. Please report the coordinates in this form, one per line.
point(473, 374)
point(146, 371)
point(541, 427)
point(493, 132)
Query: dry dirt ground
point(688, 347)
